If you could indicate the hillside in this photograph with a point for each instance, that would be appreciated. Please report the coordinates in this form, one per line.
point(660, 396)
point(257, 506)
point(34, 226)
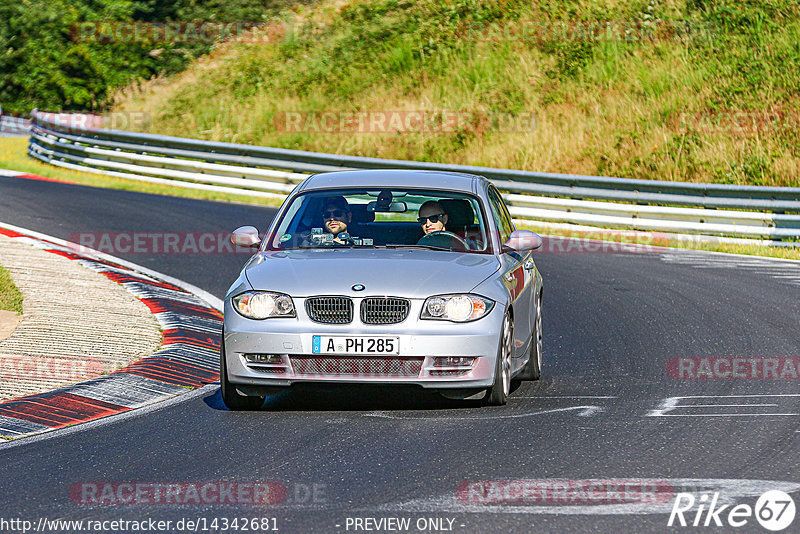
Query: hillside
point(72, 54)
point(694, 90)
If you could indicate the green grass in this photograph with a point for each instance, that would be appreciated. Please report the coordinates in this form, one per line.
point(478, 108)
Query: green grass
point(14, 156)
point(601, 106)
point(10, 296)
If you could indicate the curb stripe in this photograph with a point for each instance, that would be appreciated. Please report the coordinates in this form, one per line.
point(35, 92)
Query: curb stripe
point(59, 409)
point(197, 339)
point(125, 390)
point(123, 278)
point(157, 305)
point(173, 373)
point(188, 357)
point(13, 427)
point(10, 233)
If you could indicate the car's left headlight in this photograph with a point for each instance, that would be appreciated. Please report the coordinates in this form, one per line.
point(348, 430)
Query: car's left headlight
point(263, 304)
point(457, 308)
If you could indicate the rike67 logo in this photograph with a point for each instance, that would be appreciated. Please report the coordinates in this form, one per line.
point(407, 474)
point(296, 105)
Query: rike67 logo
point(774, 510)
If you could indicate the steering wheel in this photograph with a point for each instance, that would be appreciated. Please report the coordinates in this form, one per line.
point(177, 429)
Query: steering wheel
point(438, 238)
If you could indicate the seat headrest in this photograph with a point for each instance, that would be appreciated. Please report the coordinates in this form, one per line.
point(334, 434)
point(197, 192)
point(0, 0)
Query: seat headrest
point(360, 214)
point(459, 212)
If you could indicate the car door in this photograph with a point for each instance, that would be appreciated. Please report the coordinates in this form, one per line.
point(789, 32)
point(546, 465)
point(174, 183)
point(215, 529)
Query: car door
point(517, 274)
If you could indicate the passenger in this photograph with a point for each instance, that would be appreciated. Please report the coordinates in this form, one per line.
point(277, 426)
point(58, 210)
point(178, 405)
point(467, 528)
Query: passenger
point(432, 217)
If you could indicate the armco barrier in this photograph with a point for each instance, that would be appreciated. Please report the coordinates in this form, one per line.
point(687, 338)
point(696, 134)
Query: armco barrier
point(706, 209)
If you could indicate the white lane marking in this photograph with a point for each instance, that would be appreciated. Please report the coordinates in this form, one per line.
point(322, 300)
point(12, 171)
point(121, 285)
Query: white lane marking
point(731, 491)
point(566, 397)
point(724, 405)
point(732, 396)
point(786, 272)
point(727, 414)
point(671, 404)
point(585, 411)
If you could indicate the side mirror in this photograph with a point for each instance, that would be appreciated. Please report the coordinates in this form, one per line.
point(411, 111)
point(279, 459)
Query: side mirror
point(523, 240)
point(245, 236)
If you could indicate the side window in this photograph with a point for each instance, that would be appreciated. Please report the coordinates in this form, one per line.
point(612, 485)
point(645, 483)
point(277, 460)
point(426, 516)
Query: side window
point(501, 215)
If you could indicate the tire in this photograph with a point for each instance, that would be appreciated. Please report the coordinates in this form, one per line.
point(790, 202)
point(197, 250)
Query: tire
point(497, 395)
point(232, 398)
point(533, 369)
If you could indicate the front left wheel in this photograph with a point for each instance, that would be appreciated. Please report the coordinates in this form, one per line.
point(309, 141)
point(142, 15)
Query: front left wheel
point(232, 398)
point(497, 395)
point(533, 369)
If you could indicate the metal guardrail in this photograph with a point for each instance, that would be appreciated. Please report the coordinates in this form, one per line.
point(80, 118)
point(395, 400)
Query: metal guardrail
point(708, 209)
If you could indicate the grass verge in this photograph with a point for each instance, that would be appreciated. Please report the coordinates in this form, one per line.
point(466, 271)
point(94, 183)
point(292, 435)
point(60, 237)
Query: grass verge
point(10, 296)
point(14, 156)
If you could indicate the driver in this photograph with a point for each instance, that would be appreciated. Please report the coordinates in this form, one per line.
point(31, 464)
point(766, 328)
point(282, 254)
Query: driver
point(336, 216)
point(432, 217)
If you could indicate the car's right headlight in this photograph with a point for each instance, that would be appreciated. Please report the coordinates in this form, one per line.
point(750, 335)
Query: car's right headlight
point(457, 308)
point(263, 304)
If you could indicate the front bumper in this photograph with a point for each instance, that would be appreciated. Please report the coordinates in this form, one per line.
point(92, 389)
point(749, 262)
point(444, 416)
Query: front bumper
point(421, 341)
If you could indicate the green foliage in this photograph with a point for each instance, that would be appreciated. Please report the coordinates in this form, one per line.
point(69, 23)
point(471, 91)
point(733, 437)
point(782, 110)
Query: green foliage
point(606, 78)
point(46, 63)
point(10, 296)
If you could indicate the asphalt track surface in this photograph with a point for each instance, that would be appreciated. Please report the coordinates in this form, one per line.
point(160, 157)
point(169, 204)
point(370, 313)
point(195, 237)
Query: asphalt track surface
point(612, 322)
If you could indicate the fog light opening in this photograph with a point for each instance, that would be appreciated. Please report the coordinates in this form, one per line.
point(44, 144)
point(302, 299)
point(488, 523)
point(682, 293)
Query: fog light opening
point(450, 365)
point(274, 364)
point(453, 362)
point(264, 358)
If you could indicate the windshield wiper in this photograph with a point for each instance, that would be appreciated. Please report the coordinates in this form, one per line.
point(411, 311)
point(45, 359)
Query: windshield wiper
point(428, 247)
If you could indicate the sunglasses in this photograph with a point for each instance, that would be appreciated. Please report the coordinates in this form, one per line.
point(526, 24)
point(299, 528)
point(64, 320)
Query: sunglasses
point(432, 218)
point(333, 214)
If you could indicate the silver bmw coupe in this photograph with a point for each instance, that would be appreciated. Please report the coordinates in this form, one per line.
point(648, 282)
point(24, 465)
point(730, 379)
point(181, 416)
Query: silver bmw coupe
point(385, 277)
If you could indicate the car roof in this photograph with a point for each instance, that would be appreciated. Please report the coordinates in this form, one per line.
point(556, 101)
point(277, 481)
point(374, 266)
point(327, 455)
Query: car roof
point(449, 181)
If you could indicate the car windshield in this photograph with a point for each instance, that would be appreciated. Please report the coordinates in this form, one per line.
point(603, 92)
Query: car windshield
point(382, 218)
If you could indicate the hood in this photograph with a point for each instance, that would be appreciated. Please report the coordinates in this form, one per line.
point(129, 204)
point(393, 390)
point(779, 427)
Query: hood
point(410, 273)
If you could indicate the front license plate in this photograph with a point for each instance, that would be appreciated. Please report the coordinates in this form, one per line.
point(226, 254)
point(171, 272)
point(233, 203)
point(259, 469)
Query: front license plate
point(355, 345)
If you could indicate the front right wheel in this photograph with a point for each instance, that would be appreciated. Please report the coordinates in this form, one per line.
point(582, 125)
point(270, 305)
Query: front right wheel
point(497, 395)
point(232, 398)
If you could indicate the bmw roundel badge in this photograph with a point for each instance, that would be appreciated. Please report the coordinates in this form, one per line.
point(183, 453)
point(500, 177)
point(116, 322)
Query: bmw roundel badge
point(358, 287)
